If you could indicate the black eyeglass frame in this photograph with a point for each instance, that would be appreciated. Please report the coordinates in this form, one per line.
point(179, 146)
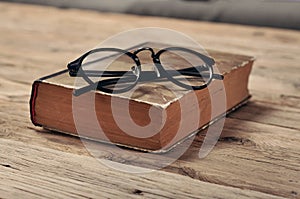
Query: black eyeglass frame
point(75, 68)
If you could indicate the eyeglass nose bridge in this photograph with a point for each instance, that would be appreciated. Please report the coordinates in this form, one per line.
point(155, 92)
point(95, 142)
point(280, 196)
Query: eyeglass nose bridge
point(153, 56)
point(145, 49)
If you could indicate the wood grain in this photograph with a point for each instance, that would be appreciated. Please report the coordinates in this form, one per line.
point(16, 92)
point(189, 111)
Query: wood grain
point(258, 151)
point(54, 174)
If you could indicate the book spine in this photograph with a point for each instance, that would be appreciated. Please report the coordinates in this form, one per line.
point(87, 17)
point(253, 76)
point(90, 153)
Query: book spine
point(32, 101)
point(34, 93)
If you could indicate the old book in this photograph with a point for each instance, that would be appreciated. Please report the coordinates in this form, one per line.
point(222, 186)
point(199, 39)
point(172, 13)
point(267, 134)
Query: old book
point(53, 105)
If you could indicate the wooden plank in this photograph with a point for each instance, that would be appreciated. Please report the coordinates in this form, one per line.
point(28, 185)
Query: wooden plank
point(270, 152)
point(39, 172)
point(266, 113)
point(52, 49)
point(250, 155)
point(259, 148)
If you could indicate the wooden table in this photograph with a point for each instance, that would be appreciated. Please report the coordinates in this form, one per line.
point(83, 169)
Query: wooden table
point(258, 155)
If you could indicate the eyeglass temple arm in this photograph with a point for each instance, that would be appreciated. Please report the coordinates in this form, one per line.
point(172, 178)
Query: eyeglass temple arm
point(192, 71)
point(99, 84)
point(102, 83)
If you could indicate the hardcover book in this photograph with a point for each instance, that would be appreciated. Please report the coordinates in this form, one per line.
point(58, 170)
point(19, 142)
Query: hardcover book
point(161, 113)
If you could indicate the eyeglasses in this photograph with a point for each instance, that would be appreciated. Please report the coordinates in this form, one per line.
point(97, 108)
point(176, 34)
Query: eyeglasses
point(113, 70)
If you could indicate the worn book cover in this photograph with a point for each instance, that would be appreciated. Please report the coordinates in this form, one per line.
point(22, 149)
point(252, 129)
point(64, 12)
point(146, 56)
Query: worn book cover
point(160, 113)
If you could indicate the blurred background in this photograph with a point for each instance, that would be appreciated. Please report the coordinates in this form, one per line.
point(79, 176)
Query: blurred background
point(270, 13)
